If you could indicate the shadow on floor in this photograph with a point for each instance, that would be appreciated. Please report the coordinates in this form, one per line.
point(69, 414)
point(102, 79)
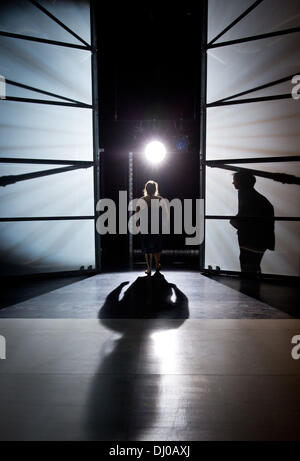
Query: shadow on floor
point(146, 297)
point(281, 294)
point(124, 400)
point(18, 289)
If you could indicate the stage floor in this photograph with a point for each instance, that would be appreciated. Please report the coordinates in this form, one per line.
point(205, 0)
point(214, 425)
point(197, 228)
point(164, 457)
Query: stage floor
point(206, 298)
point(72, 372)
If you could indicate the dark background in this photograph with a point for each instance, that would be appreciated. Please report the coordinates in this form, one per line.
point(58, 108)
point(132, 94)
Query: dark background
point(149, 87)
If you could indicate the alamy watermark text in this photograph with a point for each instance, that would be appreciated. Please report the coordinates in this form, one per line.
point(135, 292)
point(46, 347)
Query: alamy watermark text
point(134, 217)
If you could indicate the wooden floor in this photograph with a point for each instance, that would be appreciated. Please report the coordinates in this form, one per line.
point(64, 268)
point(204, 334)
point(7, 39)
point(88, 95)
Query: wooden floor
point(210, 364)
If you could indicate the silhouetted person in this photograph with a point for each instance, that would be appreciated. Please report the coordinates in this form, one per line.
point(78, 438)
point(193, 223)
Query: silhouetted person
point(151, 243)
point(254, 236)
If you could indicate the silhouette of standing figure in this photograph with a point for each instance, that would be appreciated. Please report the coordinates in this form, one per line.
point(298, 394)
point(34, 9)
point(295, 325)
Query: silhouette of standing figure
point(254, 236)
point(151, 242)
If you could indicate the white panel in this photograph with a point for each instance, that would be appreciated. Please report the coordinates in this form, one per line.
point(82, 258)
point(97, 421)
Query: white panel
point(60, 70)
point(222, 197)
point(64, 194)
point(229, 9)
point(286, 257)
point(269, 16)
point(73, 13)
point(39, 131)
point(236, 68)
point(222, 248)
point(43, 131)
point(46, 246)
point(260, 129)
point(21, 17)
point(251, 130)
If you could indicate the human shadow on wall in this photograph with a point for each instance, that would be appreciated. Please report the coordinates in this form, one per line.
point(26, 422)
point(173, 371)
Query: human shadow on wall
point(125, 392)
point(255, 235)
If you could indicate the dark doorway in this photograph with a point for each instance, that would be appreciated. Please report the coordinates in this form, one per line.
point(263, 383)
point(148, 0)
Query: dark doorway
point(150, 87)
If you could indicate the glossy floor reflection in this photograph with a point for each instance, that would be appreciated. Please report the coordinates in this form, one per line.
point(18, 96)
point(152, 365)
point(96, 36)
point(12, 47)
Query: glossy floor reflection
point(205, 298)
point(123, 356)
point(149, 379)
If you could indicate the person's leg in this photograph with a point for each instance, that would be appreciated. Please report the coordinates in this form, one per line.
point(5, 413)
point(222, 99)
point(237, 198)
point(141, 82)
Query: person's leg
point(148, 257)
point(157, 261)
point(243, 260)
point(256, 262)
point(250, 261)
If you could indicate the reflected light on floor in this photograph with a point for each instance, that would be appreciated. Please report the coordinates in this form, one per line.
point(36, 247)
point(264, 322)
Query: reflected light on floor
point(166, 349)
point(173, 297)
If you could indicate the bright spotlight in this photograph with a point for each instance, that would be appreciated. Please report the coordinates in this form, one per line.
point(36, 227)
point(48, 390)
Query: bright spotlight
point(155, 151)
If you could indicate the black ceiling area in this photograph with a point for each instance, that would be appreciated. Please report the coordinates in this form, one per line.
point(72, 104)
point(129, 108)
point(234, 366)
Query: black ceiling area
point(150, 59)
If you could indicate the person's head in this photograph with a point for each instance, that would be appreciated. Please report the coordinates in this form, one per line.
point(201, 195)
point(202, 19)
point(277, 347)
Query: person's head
point(243, 180)
point(151, 188)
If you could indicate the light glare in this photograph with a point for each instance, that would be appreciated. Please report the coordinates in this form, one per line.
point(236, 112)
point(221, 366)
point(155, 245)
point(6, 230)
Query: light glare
point(155, 152)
